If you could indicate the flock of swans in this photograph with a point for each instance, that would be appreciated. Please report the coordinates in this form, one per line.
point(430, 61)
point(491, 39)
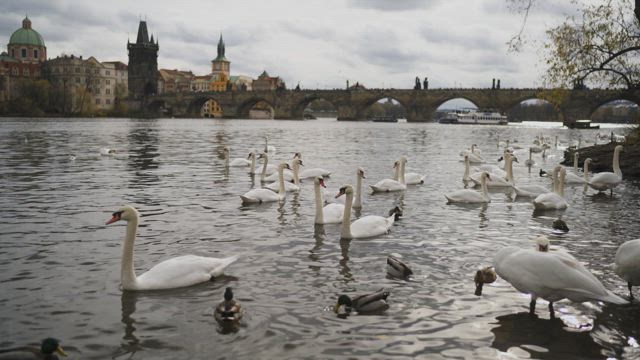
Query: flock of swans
point(541, 272)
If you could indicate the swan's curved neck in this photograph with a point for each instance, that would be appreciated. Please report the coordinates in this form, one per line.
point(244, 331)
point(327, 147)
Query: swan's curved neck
point(396, 174)
point(358, 202)
point(296, 170)
point(127, 273)
point(281, 180)
point(402, 165)
point(530, 153)
point(253, 164)
point(509, 167)
point(616, 162)
point(345, 232)
point(226, 159)
point(319, 212)
point(483, 185)
point(575, 162)
point(561, 184)
point(465, 177)
point(585, 167)
point(263, 174)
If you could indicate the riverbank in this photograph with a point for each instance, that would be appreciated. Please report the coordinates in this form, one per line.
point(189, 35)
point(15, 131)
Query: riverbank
point(602, 158)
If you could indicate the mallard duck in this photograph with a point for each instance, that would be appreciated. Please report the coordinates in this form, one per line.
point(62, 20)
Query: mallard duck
point(48, 350)
point(368, 303)
point(483, 276)
point(396, 268)
point(229, 310)
point(560, 225)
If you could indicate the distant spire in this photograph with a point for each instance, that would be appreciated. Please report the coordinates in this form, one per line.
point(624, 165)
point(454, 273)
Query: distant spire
point(143, 36)
point(26, 23)
point(221, 51)
point(151, 38)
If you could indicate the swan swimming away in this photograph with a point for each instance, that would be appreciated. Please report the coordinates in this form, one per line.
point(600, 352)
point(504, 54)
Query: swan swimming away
point(470, 196)
point(259, 196)
point(550, 275)
point(331, 213)
point(176, 272)
point(609, 180)
point(389, 185)
point(627, 263)
point(364, 227)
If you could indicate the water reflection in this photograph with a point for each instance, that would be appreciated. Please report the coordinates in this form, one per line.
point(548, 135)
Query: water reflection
point(131, 344)
point(543, 338)
point(345, 270)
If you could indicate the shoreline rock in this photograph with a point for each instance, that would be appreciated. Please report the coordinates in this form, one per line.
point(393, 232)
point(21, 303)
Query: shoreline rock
point(602, 158)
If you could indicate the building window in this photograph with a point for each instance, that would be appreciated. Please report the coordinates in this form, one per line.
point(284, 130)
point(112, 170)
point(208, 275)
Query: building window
point(108, 82)
point(24, 52)
point(13, 52)
point(25, 72)
point(97, 90)
point(14, 71)
point(77, 80)
point(97, 71)
point(97, 101)
point(108, 91)
point(35, 53)
point(107, 72)
point(108, 101)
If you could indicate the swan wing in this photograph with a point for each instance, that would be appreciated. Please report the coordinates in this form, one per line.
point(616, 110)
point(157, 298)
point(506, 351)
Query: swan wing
point(314, 172)
point(549, 201)
point(240, 162)
point(627, 261)
point(550, 275)
point(530, 190)
point(259, 196)
point(466, 196)
point(605, 179)
point(572, 178)
point(333, 213)
point(371, 225)
point(287, 187)
point(182, 271)
point(388, 185)
point(414, 178)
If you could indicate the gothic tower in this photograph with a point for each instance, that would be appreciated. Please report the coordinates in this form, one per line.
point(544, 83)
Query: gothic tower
point(143, 64)
point(220, 65)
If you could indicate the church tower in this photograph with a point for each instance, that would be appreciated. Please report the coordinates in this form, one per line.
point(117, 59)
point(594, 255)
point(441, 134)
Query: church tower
point(220, 65)
point(143, 64)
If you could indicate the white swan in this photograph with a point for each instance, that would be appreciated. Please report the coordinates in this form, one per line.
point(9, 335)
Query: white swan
point(357, 202)
point(627, 263)
point(252, 166)
point(329, 214)
point(388, 185)
point(267, 169)
point(550, 275)
point(108, 152)
point(173, 273)
point(314, 172)
point(553, 200)
point(288, 186)
point(271, 150)
point(258, 196)
point(497, 179)
point(529, 162)
point(534, 190)
point(474, 155)
point(572, 177)
point(364, 227)
point(288, 174)
point(471, 196)
point(608, 180)
point(237, 162)
point(413, 178)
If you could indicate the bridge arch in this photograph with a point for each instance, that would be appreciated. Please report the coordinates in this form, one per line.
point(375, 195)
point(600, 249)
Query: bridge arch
point(244, 109)
point(362, 110)
point(619, 110)
point(298, 109)
point(533, 109)
point(195, 106)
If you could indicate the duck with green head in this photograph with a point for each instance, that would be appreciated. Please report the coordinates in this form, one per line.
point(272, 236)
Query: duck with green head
point(362, 304)
point(229, 310)
point(49, 350)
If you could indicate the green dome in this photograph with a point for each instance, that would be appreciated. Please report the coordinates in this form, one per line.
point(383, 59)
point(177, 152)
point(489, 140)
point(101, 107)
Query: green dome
point(26, 35)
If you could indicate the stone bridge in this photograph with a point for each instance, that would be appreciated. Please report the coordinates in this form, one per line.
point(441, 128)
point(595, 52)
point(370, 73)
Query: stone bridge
point(420, 105)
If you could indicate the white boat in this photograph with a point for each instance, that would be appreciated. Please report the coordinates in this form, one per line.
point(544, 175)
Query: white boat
point(475, 117)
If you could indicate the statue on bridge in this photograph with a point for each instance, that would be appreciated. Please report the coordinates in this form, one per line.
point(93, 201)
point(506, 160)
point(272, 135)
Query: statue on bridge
point(493, 85)
point(498, 85)
point(417, 86)
point(426, 83)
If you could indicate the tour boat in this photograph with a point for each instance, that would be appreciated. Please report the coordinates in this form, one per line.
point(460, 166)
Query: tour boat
point(475, 117)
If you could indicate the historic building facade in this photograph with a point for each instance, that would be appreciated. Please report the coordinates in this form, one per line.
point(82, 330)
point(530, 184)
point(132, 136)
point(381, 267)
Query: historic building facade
point(143, 64)
point(264, 82)
point(220, 69)
point(86, 85)
point(26, 52)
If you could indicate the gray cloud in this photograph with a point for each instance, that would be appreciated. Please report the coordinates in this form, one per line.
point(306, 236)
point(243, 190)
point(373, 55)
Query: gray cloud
point(390, 5)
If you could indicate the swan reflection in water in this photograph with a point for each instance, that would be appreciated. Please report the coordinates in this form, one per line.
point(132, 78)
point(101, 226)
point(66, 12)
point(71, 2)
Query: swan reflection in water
point(345, 270)
point(130, 344)
point(543, 338)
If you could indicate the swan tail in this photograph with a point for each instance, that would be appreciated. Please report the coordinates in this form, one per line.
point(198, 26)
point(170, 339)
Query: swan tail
point(614, 299)
point(248, 200)
point(222, 264)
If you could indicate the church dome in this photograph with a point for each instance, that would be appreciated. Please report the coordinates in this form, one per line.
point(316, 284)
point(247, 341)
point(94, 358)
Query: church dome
point(26, 35)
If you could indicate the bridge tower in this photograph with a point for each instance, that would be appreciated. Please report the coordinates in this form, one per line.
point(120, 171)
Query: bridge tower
point(143, 64)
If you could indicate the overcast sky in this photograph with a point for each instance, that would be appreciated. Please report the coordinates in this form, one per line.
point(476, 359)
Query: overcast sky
point(319, 44)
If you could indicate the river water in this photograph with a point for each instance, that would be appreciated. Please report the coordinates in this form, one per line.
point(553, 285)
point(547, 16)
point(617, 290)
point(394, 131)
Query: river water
point(60, 265)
